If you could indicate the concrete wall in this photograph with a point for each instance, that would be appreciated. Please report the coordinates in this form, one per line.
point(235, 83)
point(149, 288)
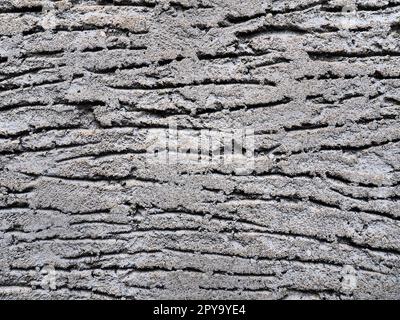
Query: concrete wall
point(87, 88)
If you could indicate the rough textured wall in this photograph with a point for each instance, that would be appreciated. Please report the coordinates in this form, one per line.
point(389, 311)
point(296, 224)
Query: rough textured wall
point(85, 86)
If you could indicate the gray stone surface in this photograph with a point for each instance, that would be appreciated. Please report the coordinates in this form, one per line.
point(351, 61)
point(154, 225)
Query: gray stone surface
point(85, 85)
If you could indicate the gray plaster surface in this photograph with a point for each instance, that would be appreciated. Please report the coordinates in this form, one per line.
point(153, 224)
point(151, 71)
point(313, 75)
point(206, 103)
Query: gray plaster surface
point(86, 86)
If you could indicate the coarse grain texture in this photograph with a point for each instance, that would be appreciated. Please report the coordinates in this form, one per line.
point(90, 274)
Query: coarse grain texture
point(85, 85)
